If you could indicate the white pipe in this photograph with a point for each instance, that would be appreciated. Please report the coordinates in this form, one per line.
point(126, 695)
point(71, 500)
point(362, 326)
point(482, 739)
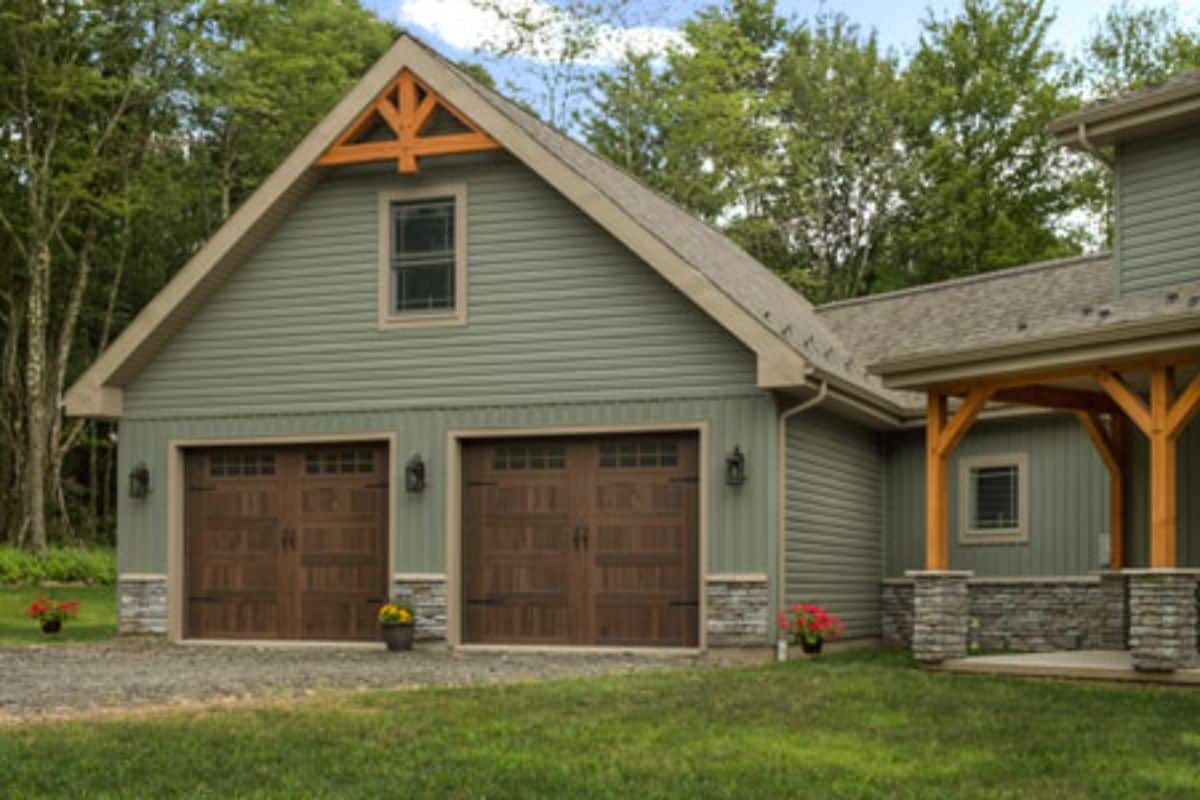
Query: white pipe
point(781, 555)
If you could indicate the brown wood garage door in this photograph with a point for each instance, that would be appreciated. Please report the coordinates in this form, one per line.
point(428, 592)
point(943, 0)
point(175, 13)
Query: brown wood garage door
point(582, 541)
point(285, 543)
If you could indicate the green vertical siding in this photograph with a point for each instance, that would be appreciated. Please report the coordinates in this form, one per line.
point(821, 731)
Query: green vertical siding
point(1068, 505)
point(557, 310)
point(742, 520)
point(1137, 500)
point(834, 518)
point(1158, 203)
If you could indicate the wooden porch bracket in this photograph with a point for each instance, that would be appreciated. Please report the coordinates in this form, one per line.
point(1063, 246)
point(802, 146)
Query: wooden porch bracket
point(1162, 421)
point(1056, 397)
point(1111, 447)
point(942, 435)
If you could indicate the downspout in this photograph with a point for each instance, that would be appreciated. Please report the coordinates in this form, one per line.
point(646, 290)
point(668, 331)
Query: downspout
point(781, 522)
point(1091, 149)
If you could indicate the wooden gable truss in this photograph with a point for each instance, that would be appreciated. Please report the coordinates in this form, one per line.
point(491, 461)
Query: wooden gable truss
point(398, 126)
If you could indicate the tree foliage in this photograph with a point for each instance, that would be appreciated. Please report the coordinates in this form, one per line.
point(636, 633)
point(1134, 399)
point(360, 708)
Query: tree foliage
point(129, 131)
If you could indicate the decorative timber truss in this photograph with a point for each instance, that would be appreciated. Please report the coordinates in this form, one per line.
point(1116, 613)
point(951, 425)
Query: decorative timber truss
point(405, 122)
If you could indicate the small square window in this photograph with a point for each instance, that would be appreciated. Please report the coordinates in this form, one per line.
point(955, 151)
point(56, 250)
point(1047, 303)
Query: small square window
point(994, 499)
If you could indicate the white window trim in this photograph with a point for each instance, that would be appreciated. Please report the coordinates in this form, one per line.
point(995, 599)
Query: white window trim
point(967, 535)
point(422, 319)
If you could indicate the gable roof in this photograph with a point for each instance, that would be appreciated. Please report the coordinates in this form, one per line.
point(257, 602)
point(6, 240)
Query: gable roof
point(789, 338)
point(966, 312)
point(1165, 106)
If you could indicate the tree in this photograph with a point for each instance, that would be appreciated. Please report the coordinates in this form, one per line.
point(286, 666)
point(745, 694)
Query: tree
point(992, 188)
point(128, 132)
point(266, 72)
point(845, 166)
point(1132, 47)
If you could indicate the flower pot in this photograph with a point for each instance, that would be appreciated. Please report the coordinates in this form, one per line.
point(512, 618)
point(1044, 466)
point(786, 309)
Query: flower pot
point(812, 648)
point(52, 626)
point(398, 637)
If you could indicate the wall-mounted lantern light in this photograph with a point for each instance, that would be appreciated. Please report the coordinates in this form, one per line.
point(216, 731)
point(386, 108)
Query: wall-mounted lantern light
point(735, 467)
point(139, 481)
point(414, 475)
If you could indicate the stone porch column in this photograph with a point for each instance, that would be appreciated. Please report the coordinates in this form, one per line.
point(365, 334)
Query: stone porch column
point(1113, 627)
point(941, 614)
point(1162, 618)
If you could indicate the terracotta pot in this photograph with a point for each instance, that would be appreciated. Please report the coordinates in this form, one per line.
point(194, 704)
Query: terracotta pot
point(811, 648)
point(52, 626)
point(398, 637)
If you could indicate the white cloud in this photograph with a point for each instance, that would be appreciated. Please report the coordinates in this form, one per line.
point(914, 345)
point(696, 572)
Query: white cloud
point(464, 26)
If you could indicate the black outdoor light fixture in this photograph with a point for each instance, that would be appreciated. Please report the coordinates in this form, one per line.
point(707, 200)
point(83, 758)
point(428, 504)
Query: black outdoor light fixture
point(735, 467)
point(139, 481)
point(414, 475)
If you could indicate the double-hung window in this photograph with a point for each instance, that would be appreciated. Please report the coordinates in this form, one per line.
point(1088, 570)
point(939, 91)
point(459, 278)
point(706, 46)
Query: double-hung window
point(994, 499)
point(422, 263)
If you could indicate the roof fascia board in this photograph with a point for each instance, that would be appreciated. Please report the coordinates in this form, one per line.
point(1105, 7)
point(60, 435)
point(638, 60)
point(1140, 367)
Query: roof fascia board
point(92, 394)
point(1118, 124)
point(1125, 343)
point(783, 365)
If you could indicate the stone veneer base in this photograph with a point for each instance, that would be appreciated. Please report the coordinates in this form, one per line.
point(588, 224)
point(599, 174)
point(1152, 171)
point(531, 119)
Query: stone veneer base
point(427, 594)
point(1162, 618)
point(940, 615)
point(738, 611)
point(738, 608)
point(142, 604)
point(1026, 614)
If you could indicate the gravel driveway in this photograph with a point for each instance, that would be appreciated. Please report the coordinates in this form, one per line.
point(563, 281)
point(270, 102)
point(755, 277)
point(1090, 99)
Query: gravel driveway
point(126, 673)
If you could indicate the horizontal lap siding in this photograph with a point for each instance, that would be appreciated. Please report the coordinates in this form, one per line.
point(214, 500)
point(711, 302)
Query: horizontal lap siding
point(557, 309)
point(834, 518)
point(1068, 505)
point(1158, 206)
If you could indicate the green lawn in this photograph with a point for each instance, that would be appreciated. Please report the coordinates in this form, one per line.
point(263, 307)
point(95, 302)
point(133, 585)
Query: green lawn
point(97, 616)
point(854, 725)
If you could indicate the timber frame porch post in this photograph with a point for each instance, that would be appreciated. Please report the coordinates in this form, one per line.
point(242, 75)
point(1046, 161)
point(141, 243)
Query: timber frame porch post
point(1162, 422)
point(942, 435)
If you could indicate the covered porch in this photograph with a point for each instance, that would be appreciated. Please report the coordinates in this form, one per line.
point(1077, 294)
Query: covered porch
point(1150, 390)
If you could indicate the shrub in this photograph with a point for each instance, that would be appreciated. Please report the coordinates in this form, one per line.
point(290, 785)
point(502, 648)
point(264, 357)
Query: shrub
point(96, 565)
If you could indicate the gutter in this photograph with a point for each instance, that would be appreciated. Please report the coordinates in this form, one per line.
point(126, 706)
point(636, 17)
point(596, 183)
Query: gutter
point(781, 544)
point(1091, 149)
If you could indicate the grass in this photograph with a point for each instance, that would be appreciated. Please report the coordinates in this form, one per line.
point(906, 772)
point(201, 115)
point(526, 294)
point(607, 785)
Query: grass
point(97, 617)
point(854, 725)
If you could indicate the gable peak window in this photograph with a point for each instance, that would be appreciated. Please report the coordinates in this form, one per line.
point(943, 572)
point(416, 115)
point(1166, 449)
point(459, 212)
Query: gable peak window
point(422, 263)
point(423, 256)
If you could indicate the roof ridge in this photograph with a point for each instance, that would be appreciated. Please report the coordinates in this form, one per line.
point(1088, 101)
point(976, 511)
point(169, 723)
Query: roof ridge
point(967, 280)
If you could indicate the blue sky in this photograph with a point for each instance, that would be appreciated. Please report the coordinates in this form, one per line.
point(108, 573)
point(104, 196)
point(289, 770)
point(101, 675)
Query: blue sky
point(452, 24)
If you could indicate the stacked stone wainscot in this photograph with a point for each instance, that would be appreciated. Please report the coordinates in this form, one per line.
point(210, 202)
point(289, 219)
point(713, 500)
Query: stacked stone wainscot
point(940, 615)
point(738, 609)
point(1029, 614)
point(427, 595)
point(1162, 618)
point(142, 604)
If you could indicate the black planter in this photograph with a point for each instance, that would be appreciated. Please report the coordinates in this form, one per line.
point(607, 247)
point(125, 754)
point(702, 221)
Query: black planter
point(398, 637)
point(811, 648)
point(52, 626)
